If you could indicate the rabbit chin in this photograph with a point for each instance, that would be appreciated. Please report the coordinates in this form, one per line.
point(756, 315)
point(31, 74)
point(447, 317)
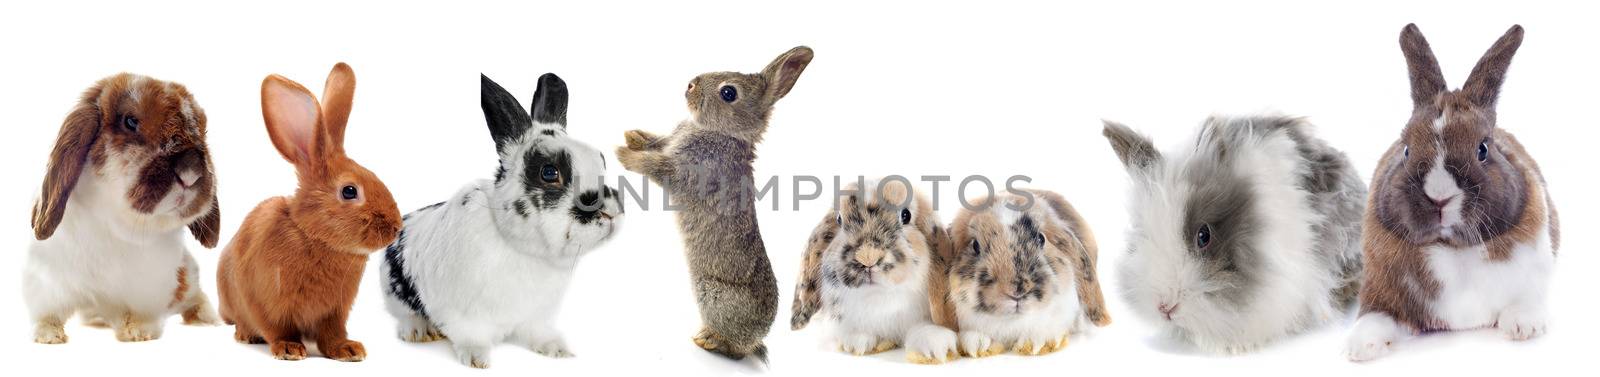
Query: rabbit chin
point(102, 193)
point(575, 238)
point(1063, 314)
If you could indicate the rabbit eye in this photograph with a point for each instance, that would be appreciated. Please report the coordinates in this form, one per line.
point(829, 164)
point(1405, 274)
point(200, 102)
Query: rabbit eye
point(348, 192)
point(1483, 151)
point(1202, 237)
point(905, 215)
point(975, 248)
point(549, 174)
point(1038, 238)
point(130, 123)
point(1405, 151)
point(729, 93)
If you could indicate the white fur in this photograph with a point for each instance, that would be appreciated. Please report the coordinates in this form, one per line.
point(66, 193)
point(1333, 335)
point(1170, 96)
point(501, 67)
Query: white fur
point(1063, 316)
point(485, 273)
point(1294, 294)
point(1439, 185)
point(885, 310)
point(1477, 292)
point(1474, 292)
point(111, 263)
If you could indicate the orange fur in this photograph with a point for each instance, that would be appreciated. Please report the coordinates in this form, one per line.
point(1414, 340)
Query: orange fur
point(293, 268)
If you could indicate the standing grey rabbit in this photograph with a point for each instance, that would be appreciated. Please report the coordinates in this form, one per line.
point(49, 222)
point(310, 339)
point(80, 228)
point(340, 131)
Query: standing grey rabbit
point(705, 166)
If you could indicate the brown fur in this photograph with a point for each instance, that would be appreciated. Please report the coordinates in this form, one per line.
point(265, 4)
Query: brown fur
point(166, 140)
point(293, 268)
point(926, 238)
point(1070, 251)
point(183, 287)
point(1396, 279)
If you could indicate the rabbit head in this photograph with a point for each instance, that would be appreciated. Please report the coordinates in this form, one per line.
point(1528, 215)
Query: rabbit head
point(134, 149)
point(739, 103)
point(338, 202)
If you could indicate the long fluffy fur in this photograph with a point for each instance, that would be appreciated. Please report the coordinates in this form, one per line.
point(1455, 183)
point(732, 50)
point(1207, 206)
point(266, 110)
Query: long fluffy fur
point(1283, 208)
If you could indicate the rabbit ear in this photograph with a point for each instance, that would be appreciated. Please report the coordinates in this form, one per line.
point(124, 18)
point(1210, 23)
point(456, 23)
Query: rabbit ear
point(782, 73)
point(207, 229)
point(808, 291)
point(1427, 81)
point(505, 117)
point(293, 118)
point(550, 100)
point(338, 95)
point(1135, 150)
point(943, 312)
point(78, 133)
point(1073, 237)
point(1483, 85)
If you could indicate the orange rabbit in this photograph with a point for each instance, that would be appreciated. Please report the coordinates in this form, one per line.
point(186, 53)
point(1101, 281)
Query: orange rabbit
point(292, 269)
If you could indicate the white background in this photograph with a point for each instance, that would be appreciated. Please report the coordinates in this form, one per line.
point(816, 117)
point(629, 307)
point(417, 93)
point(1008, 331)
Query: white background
point(986, 88)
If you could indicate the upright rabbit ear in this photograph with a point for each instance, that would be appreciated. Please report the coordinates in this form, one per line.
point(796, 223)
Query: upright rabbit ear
point(782, 73)
point(78, 133)
point(550, 100)
point(292, 117)
point(1135, 150)
point(338, 95)
point(1483, 85)
point(1427, 81)
point(505, 117)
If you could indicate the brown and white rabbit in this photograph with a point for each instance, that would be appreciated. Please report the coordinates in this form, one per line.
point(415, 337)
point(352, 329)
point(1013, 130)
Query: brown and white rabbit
point(1024, 274)
point(872, 267)
point(1460, 231)
point(292, 270)
point(130, 170)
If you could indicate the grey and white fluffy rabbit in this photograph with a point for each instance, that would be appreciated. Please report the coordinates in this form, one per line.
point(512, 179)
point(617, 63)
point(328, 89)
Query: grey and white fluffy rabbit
point(1244, 234)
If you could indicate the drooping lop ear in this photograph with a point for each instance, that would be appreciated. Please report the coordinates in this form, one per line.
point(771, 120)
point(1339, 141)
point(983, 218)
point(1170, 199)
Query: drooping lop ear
point(1427, 81)
point(1135, 150)
point(207, 229)
point(71, 153)
point(338, 95)
point(1483, 85)
point(293, 119)
point(550, 100)
point(782, 73)
point(808, 289)
point(503, 113)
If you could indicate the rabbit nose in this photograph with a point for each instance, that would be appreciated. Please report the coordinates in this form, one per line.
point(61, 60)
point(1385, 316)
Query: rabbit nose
point(869, 256)
point(189, 166)
point(1167, 310)
point(1442, 202)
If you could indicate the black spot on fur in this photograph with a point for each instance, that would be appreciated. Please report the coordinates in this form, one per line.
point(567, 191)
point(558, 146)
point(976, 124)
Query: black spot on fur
point(400, 284)
point(521, 207)
point(420, 210)
point(548, 132)
point(587, 208)
point(546, 195)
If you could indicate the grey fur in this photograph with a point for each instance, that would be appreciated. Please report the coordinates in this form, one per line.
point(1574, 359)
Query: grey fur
point(1335, 191)
point(705, 166)
point(1222, 201)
